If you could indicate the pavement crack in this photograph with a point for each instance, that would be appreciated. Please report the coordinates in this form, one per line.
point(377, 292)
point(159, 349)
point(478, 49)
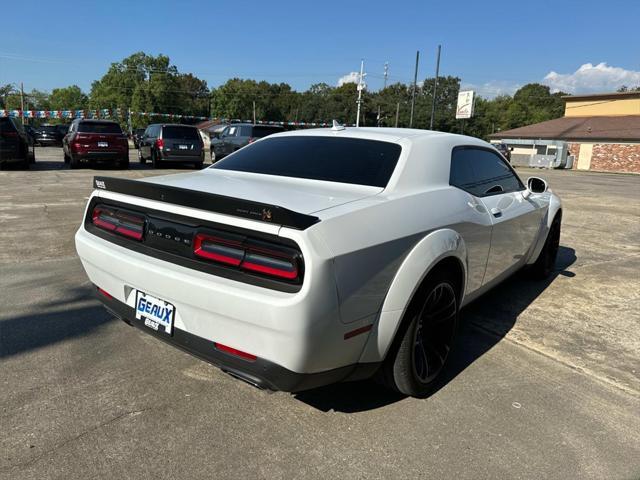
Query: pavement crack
point(76, 437)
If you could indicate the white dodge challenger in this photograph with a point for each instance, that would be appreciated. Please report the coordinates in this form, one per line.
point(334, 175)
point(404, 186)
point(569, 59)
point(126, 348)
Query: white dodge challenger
point(318, 256)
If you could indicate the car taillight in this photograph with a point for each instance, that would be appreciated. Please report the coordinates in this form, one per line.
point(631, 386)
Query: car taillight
point(117, 221)
point(258, 257)
point(160, 143)
point(218, 249)
point(235, 352)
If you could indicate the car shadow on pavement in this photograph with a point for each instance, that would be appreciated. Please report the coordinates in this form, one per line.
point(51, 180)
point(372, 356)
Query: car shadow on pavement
point(484, 323)
point(24, 333)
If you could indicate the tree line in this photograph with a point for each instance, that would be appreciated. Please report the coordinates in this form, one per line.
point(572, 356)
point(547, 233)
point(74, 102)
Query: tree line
point(147, 83)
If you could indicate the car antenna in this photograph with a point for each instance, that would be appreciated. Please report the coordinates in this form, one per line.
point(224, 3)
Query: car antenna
point(336, 126)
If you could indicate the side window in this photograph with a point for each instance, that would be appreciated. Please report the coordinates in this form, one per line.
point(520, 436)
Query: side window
point(245, 131)
point(232, 131)
point(482, 172)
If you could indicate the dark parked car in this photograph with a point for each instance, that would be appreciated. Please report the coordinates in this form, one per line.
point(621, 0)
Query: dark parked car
point(15, 146)
point(237, 135)
point(63, 129)
point(136, 136)
point(171, 143)
point(47, 135)
point(504, 150)
point(96, 140)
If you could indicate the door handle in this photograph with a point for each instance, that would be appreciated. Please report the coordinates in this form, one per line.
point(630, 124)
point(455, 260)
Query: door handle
point(496, 212)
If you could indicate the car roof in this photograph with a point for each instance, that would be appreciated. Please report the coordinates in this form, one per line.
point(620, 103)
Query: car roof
point(170, 125)
point(95, 120)
point(371, 133)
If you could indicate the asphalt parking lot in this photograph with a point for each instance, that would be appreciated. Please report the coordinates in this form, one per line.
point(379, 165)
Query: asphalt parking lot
point(546, 383)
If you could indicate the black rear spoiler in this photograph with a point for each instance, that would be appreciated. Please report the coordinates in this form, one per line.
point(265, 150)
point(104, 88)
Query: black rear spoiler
point(211, 202)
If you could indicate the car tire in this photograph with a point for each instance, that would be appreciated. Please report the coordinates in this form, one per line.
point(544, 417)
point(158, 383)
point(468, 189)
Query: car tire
point(124, 164)
point(154, 159)
point(141, 159)
point(418, 358)
point(198, 165)
point(74, 162)
point(66, 158)
point(546, 262)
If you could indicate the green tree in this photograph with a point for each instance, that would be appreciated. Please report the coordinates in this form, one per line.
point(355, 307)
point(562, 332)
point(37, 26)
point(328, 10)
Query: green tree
point(68, 98)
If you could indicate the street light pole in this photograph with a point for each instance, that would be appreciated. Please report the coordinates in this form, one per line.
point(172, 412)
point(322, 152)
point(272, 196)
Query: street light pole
point(413, 93)
point(361, 86)
point(22, 103)
point(435, 88)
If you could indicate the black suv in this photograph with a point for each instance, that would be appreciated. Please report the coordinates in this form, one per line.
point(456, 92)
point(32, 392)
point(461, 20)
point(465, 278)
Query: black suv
point(164, 142)
point(48, 135)
point(14, 143)
point(237, 135)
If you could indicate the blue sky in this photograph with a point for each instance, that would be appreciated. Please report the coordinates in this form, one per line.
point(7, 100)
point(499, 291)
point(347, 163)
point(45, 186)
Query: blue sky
point(493, 46)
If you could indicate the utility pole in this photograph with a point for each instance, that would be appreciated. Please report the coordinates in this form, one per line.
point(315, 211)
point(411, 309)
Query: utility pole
point(361, 86)
point(254, 112)
point(22, 103)
point(413, 92)
point(386, 74)
point(435, 88)
point(397, 113)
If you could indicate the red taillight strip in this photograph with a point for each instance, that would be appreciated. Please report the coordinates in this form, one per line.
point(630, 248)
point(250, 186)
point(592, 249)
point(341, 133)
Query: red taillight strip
point(250, 256)
point(235, 352)
point(128, 225)
point(217, 249)
point(357, 331)
point(105, 293)
point(269, 270)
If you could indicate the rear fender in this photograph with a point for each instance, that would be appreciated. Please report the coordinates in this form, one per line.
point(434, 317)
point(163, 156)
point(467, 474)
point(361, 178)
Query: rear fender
point(555, 205)
point(433, 248)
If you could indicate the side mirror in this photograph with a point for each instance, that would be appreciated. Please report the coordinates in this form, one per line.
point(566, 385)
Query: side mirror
point(537, 185)
point(511, 149)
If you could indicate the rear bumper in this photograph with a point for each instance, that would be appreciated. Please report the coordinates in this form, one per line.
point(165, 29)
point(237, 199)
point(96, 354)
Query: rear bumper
point(171, 157)
point(259, 373)
point(48, 141)
point(112, 156)
point(299, 331)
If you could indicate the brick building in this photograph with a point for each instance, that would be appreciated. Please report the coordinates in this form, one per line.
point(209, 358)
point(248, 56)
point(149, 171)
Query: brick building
point(598, 132)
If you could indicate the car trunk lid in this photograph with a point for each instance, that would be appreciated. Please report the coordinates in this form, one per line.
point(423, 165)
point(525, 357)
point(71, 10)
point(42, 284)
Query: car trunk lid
point(296, 194)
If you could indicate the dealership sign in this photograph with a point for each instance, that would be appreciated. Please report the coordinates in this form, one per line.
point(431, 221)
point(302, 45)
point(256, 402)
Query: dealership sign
point(466, 100)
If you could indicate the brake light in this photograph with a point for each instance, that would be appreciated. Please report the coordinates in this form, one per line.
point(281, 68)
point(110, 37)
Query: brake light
point(117, 221)
point(235, 352)
point(217, 249)
point(269, 265)
point(160, 143)
point(259, 257)
point(9, 134)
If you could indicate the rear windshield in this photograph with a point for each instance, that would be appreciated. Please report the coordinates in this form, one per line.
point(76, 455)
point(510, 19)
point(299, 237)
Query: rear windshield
point(260, 132)
point(345, 160)
point(181, 133)
point(99, 127)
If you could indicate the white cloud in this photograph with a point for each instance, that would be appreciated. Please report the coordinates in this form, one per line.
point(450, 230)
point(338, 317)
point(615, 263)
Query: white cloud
point(592, 78)
point(492, 88)
point(349, 78)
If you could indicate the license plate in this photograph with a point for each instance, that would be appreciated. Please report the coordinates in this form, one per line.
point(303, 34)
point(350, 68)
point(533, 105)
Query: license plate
point(157, 314)
point(183, 147)
point(103, 144)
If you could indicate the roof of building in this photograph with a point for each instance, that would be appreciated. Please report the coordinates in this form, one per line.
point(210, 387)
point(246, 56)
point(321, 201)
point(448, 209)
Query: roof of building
point(604, 95)
point(608, 128)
